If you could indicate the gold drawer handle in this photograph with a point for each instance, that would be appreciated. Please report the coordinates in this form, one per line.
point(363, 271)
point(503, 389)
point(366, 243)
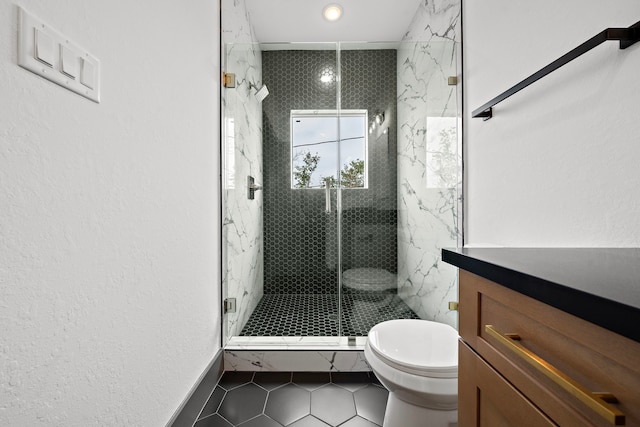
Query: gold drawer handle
point(595, 401)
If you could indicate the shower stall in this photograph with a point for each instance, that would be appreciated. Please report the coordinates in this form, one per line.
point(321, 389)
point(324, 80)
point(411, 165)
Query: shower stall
point(341, 184)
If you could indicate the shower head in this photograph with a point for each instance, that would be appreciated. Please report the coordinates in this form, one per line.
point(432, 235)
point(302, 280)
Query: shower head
point(262, 93)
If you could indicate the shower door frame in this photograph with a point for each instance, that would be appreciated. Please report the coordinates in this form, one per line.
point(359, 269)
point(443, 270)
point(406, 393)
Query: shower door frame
point(330, 342)
point(338, 341)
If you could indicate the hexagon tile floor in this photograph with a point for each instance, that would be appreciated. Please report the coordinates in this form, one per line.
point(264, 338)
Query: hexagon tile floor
point(283, 315)
point(295, 399)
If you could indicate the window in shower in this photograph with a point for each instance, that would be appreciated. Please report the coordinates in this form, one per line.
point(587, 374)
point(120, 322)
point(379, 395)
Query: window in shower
point(318, 138)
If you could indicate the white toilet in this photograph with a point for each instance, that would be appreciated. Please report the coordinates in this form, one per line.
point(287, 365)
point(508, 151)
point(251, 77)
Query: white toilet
point(417, 361)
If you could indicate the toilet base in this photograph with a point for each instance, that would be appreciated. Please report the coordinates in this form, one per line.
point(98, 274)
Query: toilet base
point(401, 413)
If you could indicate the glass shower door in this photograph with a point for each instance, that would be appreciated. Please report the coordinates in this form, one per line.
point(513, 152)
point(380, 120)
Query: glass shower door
point(285, 142)
point(300, 276)
point(369, 212)
point(394, 226)
point(332, 144)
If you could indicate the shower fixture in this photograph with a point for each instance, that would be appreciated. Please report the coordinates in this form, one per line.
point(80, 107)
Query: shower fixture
point(229, 81)
point(378, 120)
point(252, 187)
point(261, 93)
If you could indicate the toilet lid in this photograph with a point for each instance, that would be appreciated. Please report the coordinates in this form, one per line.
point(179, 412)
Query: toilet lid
point(416, 346)
point(369, 275)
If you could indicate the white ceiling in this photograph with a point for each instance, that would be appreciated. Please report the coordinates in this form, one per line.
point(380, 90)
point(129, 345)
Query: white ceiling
point(302, 20)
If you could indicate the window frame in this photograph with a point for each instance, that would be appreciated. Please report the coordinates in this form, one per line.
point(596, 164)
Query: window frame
point(363, 113)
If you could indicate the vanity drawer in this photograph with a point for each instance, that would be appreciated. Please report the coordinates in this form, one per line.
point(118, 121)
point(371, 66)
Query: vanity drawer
point(486, 399)
point(558, 360)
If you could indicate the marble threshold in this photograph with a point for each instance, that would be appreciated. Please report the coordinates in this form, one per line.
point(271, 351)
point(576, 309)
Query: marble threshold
point(295, 343)
point(303, 354)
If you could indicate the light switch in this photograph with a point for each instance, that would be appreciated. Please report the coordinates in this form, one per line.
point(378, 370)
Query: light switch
point(88, 75)
point(68, 62)
point(43, 47)
point(53, 56)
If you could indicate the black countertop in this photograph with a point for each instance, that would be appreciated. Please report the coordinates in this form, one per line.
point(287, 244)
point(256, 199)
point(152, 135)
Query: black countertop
point(600, 285)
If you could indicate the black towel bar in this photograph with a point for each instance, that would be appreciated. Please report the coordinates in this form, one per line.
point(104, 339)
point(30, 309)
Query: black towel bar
point(627, 37)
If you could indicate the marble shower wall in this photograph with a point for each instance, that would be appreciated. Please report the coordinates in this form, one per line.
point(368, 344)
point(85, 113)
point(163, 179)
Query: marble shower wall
point(242, 154)
point(429, 161)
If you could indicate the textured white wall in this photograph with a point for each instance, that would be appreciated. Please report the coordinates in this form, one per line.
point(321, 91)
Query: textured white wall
point(558, 163)
point(109, 223)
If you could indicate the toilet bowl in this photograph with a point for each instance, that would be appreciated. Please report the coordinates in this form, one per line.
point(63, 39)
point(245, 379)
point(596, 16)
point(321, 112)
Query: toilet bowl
point(417, 361)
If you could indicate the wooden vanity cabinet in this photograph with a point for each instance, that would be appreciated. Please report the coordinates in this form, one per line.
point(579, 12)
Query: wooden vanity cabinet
point(525, 363)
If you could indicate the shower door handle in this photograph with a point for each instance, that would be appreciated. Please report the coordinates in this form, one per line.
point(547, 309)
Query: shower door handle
point(327, 195)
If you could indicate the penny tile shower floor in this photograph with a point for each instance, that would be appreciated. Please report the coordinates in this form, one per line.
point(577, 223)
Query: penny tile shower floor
point(295, 399)
point(281, 315)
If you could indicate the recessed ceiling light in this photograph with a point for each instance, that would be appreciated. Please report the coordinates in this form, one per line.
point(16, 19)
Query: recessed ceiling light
point(332, 12)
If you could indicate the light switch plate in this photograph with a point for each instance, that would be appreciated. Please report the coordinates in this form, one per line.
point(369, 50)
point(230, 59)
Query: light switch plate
point(60, 71)
point(88, 74)
point(69, 62)
point(43, 47)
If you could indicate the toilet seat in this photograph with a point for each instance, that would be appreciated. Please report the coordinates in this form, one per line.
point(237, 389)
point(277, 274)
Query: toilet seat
point(419, 347)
